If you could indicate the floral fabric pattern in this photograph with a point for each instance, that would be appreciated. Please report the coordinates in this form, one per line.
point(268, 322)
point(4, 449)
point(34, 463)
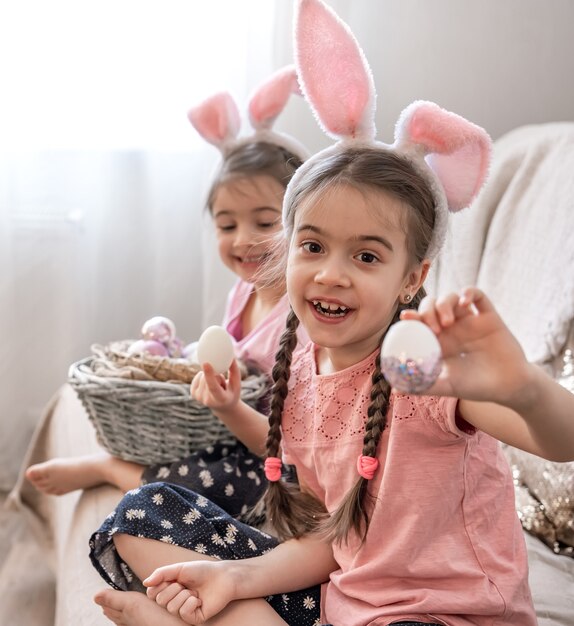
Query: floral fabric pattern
point(174, 514)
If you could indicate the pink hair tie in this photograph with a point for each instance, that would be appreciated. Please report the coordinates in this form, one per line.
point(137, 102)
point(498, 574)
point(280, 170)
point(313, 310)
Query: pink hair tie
point(273, 468)
point(367, 466)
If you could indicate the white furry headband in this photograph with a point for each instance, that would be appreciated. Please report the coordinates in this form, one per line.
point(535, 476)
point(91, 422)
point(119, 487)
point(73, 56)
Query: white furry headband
point(450, 153)
point(218, 121)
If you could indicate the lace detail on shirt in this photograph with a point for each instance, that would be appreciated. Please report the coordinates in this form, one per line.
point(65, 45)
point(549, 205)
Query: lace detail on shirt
point(403, 407)
point(432, 409)
point(329, 407)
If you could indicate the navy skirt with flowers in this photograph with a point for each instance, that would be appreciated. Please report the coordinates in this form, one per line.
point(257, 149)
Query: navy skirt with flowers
point(199, 505)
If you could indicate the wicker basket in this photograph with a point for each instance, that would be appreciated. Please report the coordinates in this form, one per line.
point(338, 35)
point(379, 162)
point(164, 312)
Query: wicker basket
point(116, 355)
point(149, 421)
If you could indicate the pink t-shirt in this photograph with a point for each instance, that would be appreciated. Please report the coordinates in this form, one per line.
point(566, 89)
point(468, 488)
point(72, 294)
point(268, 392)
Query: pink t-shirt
point(444, 542)
point(261, 344)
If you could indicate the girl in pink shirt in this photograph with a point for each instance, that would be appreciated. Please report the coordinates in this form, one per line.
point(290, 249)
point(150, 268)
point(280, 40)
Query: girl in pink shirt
point(259, 344)
point(245, 202)
point(404, 510)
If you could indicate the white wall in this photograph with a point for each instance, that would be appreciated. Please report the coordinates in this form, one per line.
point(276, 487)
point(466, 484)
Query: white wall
point(500, 63)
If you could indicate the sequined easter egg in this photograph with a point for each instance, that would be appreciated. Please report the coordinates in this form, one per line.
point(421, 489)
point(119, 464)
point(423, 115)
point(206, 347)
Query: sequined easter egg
point(216, 348)
point(411, 357)
point(148, 346)
point(159, 328)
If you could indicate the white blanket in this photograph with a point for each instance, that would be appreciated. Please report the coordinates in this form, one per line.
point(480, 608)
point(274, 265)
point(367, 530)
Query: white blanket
point(517, 240)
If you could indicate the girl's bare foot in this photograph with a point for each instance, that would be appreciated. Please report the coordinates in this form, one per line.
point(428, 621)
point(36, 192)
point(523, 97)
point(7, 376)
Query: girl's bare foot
point(131, 608)
point(60, 476)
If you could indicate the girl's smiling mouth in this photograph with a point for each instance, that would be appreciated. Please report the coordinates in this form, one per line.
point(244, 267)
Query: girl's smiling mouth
point(327, 309)
point(252, 260)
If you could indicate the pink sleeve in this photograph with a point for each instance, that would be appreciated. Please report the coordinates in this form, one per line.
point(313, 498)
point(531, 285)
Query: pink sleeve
point(449, 420)
point(235, 302)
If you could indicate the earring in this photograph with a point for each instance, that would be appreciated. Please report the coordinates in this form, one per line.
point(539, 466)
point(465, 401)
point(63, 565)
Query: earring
point(407, 298)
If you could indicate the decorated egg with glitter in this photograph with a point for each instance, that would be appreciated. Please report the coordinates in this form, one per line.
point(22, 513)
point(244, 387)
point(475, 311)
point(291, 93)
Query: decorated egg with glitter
point(216, 348)
point(160, 329)
point(411, 357)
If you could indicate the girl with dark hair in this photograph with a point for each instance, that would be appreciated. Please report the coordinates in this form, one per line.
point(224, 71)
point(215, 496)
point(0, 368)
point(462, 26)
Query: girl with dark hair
point(404, 507)
point(245, 202)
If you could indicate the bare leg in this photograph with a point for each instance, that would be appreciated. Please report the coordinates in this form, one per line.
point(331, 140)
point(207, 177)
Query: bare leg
point(59, 476)
point(130, 608)
point(144, 555)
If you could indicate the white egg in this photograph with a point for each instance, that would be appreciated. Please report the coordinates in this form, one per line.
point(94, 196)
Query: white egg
point(411, 357)
point(216, 348)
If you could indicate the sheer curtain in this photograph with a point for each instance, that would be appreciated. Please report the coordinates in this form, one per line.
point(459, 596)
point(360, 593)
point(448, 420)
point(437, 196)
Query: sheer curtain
point(103, 180)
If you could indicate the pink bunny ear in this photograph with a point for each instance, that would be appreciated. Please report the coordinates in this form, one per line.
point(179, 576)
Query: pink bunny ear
point(334, 74)
point(270, 98)
point(216, 119)
point(456, 150)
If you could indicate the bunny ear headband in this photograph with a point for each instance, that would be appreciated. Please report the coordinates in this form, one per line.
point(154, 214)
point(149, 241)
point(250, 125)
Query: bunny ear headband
point(450, 153)
point(218, 121)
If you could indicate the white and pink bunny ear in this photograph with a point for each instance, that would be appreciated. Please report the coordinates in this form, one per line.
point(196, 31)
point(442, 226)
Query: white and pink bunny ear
point(452, 154)
point(456, 150)
point(216, 120)
point(334, 74)
point(270, 98)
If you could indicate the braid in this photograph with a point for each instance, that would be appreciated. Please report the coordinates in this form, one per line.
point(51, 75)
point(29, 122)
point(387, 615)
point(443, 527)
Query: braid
point(281, 373)
point(352, 513)
point(293, 512)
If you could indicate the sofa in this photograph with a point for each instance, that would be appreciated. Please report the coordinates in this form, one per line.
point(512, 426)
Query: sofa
point(517, 242)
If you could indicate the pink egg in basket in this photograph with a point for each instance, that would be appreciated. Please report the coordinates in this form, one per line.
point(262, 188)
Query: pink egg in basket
point(148, 346)
point(159, 328)
point(411, 358)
